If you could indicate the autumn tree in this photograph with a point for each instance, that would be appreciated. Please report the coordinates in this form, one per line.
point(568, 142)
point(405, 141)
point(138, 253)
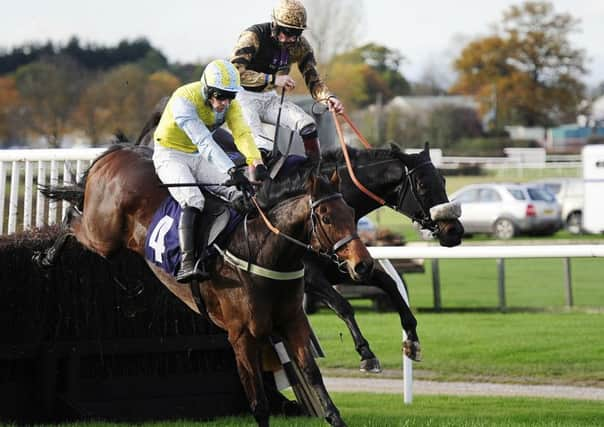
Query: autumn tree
point(527, 72)
point(49, 91)
point(380, 73)
point(121, 100)
point(9, 102)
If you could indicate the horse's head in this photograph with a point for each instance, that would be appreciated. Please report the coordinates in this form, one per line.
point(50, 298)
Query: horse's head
point(423, 198)
point(333, 228)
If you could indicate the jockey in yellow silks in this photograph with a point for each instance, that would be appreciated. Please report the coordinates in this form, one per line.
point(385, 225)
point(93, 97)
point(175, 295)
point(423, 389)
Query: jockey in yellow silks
point(185, 151)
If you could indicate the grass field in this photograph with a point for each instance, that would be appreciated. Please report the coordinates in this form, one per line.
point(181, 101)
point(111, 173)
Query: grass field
point(513, 347)
point(535, 283)
point(375, 410)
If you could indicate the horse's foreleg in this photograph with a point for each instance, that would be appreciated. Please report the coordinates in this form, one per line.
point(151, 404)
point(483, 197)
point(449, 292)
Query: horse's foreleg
point(322, 289)
point(48, 257)
point(411, 346)
point(297, 338)
point(247, 354)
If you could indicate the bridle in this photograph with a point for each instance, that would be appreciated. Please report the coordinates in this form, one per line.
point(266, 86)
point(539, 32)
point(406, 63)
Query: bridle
point(408, 186)
point(425, 219)
point(317, 228)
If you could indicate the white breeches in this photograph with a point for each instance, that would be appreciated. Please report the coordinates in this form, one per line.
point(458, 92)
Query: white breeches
point(263, 107)
point(177, 167)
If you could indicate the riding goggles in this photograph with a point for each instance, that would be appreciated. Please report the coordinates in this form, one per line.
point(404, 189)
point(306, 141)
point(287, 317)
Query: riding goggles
point(222, 95)
point(290, 32)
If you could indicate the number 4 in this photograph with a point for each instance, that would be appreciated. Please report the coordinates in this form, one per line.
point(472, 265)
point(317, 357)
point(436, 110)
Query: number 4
point(158, 236)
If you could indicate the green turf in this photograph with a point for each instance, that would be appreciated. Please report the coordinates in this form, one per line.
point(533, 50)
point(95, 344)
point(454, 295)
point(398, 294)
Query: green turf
point(511, 347)
point(381, 410)
point(528, 283)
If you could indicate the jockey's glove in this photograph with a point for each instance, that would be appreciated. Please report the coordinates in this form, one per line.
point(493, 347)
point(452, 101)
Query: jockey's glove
point(239, 180)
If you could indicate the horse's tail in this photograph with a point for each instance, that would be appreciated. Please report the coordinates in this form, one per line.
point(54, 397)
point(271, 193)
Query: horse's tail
point(73, 194)
point(153, 121)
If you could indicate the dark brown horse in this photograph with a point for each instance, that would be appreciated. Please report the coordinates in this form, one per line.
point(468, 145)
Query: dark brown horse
point(115, 205)
point(408, 183)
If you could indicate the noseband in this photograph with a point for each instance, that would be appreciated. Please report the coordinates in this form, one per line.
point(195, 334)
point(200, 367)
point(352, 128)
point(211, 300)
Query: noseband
point(318, 229)
point(407, 186)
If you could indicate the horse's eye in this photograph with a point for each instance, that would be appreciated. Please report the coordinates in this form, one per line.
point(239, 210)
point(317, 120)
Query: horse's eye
point(326, 220)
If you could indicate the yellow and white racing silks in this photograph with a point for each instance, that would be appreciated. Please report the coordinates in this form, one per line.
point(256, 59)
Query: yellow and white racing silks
point(188, 122)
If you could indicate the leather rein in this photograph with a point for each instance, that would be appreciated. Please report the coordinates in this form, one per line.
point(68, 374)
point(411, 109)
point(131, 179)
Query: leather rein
point(425, 220)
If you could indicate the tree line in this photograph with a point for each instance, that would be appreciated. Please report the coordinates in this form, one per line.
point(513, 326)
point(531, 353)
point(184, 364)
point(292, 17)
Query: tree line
point(48, 91)
point(526, 72)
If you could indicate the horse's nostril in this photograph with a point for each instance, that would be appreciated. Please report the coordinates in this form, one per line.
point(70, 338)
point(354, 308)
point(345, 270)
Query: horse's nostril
point(363, 268)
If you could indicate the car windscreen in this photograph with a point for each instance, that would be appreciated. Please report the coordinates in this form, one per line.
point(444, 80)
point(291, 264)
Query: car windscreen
point(540, 194)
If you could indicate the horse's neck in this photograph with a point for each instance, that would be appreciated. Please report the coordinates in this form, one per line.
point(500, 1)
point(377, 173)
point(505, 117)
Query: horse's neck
point(381, 181)
point(291, 219)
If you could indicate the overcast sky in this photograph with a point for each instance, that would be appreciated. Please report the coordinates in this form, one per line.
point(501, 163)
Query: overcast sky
point(427, 33)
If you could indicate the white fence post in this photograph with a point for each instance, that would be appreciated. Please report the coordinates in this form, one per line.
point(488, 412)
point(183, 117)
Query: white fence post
point(407, 363)
point(27, 195)
point(40, 205)
point(21, 202)
point(13, 204)
point(2, 192)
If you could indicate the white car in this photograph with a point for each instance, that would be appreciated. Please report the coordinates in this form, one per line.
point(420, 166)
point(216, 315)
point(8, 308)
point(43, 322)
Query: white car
point(569, 193)
point(506, 210)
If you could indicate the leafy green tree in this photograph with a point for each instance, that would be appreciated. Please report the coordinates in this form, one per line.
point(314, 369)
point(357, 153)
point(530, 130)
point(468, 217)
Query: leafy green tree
point(528, 73)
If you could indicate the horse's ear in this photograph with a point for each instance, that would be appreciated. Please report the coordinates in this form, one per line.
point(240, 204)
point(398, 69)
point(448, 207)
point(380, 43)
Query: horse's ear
point(426, 146)
point(394, 148)
point(335, 179)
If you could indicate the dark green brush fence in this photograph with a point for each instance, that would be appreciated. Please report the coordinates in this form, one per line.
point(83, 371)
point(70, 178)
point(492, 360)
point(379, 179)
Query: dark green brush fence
point(93, 339)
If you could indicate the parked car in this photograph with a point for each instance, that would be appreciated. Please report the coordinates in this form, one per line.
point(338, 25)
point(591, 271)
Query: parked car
point(569, 193)
point(506, 210)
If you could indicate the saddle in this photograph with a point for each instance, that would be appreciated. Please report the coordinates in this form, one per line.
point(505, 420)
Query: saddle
point(215, 218)
point(162, 246)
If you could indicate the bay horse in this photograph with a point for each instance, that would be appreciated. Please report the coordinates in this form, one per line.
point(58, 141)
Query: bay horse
point(408, 183)
point(117, 200)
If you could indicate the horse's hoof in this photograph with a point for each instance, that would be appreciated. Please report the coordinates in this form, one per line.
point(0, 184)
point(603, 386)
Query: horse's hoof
point(371, 366)
point(412, 350)
point(338, 422)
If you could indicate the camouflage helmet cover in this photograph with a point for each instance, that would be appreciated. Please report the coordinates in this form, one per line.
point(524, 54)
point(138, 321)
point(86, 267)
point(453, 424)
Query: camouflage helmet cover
point(290, 13)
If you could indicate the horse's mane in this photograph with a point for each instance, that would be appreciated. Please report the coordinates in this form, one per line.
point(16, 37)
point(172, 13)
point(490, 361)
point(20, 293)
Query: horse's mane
point(334, 158)
point(272, 192)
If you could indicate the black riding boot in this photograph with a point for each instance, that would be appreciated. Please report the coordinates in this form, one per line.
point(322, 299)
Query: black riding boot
point(310, 138)
point(186, 235)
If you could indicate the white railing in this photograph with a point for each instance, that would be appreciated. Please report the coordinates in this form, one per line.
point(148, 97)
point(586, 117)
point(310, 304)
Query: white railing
point(385, 253)
point(494, 251)
point(40, 167)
